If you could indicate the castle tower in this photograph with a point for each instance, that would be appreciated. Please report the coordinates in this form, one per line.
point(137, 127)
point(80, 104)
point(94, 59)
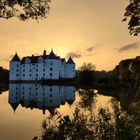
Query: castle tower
point(70, 68)
point(15, 68)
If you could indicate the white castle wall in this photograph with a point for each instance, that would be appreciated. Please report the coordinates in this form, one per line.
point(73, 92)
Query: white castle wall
point(14, 71)
point(70, 70)
point(43, 69)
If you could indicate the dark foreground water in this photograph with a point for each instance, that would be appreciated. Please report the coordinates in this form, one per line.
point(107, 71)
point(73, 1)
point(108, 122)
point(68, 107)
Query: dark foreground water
point(25, 106)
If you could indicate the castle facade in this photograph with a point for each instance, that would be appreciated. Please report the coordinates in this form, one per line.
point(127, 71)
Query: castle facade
point(43, 67)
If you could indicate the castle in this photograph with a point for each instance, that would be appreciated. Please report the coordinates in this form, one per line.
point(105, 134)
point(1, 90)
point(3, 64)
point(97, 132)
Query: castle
point(46, 67)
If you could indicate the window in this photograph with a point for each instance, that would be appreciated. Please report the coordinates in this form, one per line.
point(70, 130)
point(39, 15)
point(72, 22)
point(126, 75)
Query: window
point(50, 95)
point(36, 74)
point(17, 65)
point(17, 70)
point(17, 75)
point(50, 69)
point(30, 75)
point(23, 75)
point(44, 70)
point(44, 74)
point(50, 74)
point(50, 89)
point(23, 70)
point(51, 63)
point(23, 65)
point(30, 70)
point(36, 70)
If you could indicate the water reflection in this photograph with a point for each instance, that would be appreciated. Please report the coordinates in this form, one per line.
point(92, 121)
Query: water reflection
point(36, 96)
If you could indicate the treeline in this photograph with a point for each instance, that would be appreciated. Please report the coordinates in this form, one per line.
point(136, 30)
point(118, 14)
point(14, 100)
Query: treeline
point(127, 72)
point(88, 76)
point(4, 76)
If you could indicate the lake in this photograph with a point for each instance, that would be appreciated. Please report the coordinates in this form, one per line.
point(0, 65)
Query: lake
point(25, 106)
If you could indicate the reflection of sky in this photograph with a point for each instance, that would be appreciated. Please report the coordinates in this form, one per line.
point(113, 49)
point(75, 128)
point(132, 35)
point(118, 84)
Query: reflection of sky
point(25, 123)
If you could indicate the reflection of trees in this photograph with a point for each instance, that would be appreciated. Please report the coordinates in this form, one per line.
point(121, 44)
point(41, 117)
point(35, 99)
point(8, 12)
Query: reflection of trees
point(3, 88)
point(117, 125)
point(87, 98)
point(128, 97)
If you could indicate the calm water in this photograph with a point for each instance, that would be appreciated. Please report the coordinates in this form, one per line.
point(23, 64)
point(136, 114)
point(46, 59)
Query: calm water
point(24, 106)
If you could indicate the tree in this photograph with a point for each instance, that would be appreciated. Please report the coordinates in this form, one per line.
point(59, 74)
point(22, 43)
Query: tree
point(86, 74)
point(24, 9)
point(132, 14)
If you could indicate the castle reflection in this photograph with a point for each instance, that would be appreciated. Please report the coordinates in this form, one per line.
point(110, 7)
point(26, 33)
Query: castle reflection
point(40, 97)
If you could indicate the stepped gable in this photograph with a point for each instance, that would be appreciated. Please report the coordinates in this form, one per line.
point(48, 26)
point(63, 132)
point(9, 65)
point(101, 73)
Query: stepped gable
point(16, 58)
point(70, 61)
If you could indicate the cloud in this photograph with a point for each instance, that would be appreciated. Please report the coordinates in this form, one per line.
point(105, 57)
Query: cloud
point(131, 46)
point(74, 55)
point(90, 49)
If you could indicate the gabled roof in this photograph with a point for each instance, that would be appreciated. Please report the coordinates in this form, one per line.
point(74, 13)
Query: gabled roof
point(70, 61)
point(15, 58)
point(63, 60)
point(52, 55)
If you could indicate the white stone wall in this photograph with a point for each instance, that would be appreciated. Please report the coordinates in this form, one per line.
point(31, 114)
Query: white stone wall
point(15, 71)
point(63, 69)
point(53, 69)
point(70, 70)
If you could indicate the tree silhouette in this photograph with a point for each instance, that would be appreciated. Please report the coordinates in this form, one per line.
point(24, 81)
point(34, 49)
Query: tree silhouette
point(24, 9)
point(132, 14)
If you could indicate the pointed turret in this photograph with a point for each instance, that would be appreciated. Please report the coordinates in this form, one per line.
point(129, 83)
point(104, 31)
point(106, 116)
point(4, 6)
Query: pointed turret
point(70, 61)
point(15, 58)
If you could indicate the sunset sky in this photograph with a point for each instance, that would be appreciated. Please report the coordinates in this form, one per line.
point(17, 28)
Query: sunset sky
point(88, 30)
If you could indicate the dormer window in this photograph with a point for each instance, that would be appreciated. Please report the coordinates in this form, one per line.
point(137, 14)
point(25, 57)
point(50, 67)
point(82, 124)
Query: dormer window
point(27, 60)
point(40, 60)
